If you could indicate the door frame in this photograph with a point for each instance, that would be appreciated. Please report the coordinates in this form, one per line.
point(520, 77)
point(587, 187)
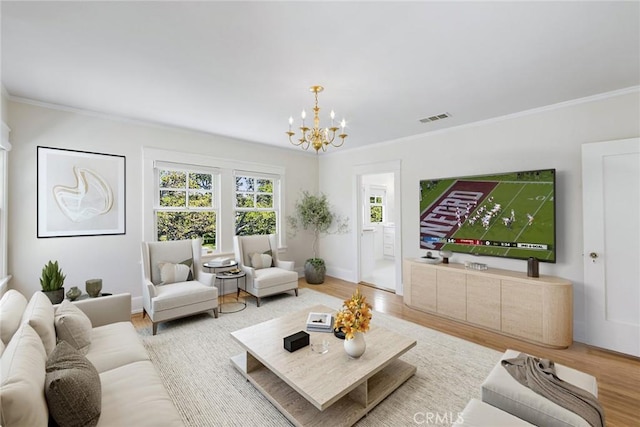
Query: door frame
point(601, 330)
point(393, 166)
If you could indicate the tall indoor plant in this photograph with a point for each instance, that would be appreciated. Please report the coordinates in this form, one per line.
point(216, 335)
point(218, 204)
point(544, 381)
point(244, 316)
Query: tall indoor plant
point(313, 213)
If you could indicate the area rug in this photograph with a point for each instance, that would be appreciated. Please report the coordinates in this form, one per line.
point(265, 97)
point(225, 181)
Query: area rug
point(192, 356)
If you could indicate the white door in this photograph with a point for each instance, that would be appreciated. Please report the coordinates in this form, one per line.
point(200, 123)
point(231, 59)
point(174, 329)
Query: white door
point(611, 210)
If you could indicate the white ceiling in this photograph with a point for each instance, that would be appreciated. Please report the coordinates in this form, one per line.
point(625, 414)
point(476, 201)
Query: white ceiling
point(240, 69)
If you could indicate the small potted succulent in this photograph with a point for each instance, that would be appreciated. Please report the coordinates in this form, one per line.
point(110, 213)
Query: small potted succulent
point(52, 281)
point(314, 214)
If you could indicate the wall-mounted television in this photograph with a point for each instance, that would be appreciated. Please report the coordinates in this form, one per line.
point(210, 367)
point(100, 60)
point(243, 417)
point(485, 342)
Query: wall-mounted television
point(508, 215)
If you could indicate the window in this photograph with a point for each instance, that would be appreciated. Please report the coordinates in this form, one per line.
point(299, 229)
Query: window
point(256, 204)
point(377, 201)
point(187, 204)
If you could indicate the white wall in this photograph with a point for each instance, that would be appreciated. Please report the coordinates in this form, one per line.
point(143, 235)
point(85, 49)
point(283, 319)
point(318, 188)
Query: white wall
point(116, 259)
point(546, 138)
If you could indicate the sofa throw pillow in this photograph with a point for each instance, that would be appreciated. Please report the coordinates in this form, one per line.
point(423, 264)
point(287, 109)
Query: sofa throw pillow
point(12, 306)
point(22, 401)
point(73, 326)
point(259, 261)
point(72, 387)
point(39, 314)
point(174, 273)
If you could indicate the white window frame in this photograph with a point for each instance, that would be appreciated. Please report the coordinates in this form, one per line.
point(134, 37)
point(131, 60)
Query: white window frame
point(226, 217)
point(376, 191)
point(276, 196)
point(187, 168)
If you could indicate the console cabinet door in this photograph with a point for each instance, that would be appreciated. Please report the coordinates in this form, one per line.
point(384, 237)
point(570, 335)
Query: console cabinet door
point(483, 301)
point(423, 287)
point(452, 294)
point(522, 310)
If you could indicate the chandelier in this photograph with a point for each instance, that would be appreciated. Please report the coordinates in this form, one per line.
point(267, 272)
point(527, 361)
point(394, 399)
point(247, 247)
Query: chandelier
point(317, 137)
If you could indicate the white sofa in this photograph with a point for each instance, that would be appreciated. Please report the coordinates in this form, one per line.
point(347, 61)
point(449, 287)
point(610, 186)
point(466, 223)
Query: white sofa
point(130, 389)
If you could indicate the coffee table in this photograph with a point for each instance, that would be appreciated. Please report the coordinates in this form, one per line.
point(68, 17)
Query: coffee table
point(321, 389)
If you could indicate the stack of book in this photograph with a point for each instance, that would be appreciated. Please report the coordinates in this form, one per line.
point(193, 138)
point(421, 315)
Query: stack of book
point(320, 322)
point(220, 262)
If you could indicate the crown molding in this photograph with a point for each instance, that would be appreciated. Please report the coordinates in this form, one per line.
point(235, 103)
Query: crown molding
point(551, 107)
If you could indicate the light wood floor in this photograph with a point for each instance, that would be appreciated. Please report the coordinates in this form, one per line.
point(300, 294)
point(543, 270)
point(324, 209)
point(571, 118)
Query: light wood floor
point(618, 375)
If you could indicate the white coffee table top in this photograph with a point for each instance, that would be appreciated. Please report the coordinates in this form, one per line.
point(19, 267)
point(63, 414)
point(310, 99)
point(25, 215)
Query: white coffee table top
point(322, 379)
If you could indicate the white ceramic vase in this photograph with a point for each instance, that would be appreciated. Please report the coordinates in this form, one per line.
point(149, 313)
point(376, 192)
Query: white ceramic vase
point(356, 346)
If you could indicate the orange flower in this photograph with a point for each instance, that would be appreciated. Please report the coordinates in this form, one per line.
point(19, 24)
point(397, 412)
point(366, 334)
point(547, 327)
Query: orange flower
point(355, 315)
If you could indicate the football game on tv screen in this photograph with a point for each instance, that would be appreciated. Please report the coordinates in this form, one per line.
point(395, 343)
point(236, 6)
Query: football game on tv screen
point(508, 215)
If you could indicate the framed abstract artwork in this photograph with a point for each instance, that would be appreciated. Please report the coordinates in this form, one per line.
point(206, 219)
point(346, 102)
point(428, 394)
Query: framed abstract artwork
point(80, 193)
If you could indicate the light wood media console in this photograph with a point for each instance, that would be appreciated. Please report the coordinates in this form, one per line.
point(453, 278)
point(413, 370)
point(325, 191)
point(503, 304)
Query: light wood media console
point(538, 310)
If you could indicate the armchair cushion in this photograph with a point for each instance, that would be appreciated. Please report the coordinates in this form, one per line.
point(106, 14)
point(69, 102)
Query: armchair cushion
point(259, 261)
point(274, 276)
point(172, 273)
point(174, 251)
point(255, 244)
point(182, 294)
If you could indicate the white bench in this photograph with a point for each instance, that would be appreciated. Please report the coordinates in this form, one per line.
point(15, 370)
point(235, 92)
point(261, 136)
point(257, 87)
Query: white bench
point(501, 390)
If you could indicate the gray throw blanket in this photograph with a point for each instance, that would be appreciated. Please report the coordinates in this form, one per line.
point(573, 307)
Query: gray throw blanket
point(540, 376)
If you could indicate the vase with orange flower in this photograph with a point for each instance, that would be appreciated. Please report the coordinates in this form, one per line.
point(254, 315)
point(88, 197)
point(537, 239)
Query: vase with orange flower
point(354, 320)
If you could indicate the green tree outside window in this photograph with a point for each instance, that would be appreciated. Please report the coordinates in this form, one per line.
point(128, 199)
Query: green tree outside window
point(186, 207)
point(255, 208)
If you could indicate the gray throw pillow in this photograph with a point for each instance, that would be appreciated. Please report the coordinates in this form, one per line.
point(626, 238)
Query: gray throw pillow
point(73, 326)
point(72, 388)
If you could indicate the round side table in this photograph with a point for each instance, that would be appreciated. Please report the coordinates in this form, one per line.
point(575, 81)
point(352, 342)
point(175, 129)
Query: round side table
point(224, 277)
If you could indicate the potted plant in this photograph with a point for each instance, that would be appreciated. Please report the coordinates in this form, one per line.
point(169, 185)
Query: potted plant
point(51, 281)
point(313, 213)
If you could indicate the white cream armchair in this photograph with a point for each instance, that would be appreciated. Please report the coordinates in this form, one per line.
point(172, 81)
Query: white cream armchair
point(169, 289)
point(262, 280)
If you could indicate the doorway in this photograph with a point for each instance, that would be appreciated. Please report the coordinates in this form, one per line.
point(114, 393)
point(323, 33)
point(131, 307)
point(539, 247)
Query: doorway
point(379, 231)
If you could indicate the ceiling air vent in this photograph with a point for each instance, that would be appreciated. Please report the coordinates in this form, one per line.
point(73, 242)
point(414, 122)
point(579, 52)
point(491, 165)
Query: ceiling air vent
point(435, 118)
